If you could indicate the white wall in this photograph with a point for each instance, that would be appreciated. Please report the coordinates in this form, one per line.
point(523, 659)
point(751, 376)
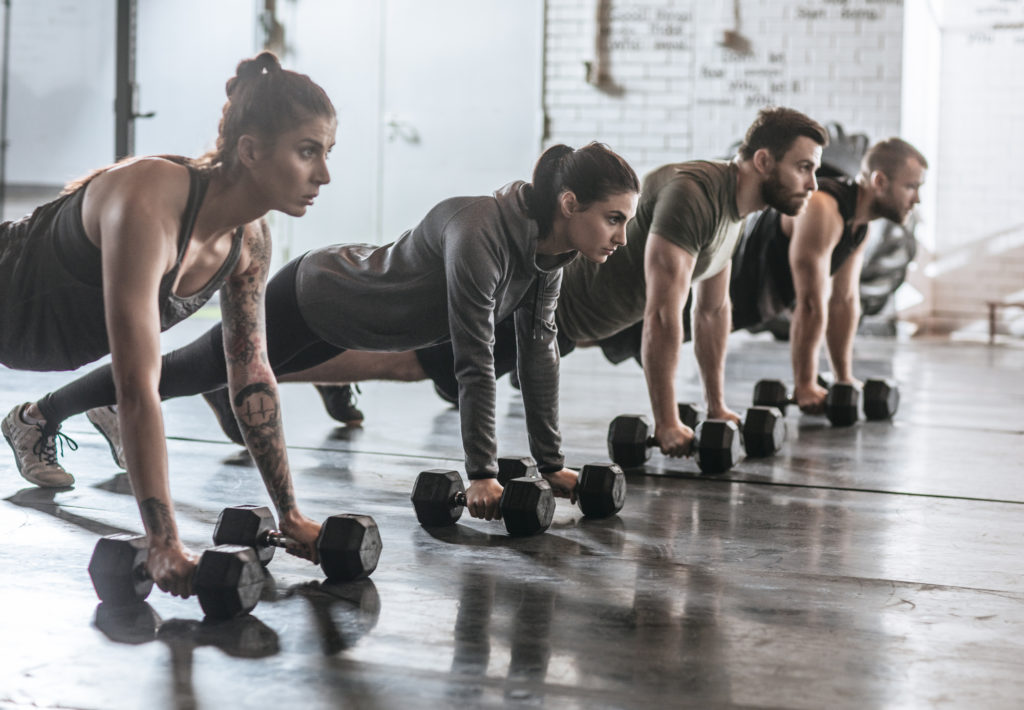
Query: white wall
point(182, 80)
point(964, 106)
point(979, 228)
point(61, 93)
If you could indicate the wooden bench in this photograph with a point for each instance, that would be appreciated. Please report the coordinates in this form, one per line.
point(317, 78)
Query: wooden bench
point(993, 307)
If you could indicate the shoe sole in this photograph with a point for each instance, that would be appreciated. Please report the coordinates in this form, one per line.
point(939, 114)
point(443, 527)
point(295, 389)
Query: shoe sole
point(41, 484)
point(113, 449)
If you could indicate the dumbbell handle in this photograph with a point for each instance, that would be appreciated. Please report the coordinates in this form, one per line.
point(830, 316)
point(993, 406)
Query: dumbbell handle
point(651, 442)
point(275, 538)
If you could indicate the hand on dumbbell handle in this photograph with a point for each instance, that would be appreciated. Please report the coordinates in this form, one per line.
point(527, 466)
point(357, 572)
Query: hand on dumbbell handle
point(347, 546)
point(673, 440)
point(298, 536)
point(172, 567)
point(810, 398)
point(482, 499)
point(526, 504)
point(599, 488)
point(227, 579)
point(564, 483)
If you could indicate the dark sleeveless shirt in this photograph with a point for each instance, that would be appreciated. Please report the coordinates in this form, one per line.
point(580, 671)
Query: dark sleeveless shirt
point(761, 283)
point(51, 284)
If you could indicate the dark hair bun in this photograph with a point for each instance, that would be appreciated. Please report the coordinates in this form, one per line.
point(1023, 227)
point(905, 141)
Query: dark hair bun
point(248, 69)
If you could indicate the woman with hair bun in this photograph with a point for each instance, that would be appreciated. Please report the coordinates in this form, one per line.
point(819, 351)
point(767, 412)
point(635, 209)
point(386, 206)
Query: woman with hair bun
point(470, 263)
point(134, 248)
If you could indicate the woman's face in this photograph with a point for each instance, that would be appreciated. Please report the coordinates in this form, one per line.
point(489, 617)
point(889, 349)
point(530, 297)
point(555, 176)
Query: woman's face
point(599, 229)
point(288, 173)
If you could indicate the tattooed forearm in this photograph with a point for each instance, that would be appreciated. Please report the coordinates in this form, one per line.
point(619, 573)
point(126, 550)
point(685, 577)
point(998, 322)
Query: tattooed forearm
point(158, 520)
point(258, 412)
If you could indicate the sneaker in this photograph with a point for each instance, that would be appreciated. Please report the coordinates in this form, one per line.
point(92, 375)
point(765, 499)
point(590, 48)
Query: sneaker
point(220, 403)
point(340, 403)
point(452, 399)
point(35, 451)
point(105, 421)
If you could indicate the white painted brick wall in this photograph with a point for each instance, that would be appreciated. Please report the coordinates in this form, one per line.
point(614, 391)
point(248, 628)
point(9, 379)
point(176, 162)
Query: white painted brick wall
point(682, 95)
point(685, 96)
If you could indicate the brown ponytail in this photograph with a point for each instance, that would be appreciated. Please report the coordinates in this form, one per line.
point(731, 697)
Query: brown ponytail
point(592, 173)
point(264, 100)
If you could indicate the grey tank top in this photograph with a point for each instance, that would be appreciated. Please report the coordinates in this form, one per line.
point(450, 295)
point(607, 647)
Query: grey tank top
point(52, 314)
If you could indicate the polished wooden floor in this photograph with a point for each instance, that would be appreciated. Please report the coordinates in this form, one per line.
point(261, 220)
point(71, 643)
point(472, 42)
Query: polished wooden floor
point(878, 566)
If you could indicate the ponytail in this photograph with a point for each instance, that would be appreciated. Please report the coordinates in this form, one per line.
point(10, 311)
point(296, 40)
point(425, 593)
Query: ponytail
point(264, 100)
point(592, 173)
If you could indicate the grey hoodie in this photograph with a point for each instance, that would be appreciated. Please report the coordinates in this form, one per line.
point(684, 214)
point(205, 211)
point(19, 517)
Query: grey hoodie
point(469, 264)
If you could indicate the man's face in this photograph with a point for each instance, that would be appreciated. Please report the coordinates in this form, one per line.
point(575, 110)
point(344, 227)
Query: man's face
point(789, 185)
point(896, 195)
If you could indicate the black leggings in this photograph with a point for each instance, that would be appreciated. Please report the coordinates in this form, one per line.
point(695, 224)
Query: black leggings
point(200, 366)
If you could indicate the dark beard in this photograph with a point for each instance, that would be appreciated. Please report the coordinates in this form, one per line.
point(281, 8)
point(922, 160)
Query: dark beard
point(882, 208)
point(775, 196)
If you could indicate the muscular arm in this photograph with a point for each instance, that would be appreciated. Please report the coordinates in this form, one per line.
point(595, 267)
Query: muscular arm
point(844, 315)
point(712, 323)
point(138, 227)
point(668, 269)
point(815, 233)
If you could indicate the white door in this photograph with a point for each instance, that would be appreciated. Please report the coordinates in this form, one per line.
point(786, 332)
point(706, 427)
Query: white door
point(461, 101)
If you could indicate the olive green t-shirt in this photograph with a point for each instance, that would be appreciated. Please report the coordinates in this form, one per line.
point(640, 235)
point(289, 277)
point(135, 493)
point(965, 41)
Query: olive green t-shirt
point(690, 204)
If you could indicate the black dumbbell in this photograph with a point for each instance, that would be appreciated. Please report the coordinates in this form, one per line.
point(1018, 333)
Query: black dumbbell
point(349, 545)
point(716, 442)
point(600, 489)
point(763, 429)
point(228, 579)
point(527, 504)
point(881, 399)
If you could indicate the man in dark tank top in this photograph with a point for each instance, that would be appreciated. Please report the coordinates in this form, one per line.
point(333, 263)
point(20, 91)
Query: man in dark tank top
point(809, 265)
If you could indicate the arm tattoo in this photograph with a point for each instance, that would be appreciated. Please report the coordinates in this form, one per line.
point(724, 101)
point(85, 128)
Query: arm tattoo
point(158, 520)
point(242, 304)
point(258, 412)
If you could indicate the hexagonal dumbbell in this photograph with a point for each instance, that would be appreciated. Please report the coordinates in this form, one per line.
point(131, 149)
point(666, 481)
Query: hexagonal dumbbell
point(881, 399)
point(349, 545)
point(228, 579)
point(841, 402)
point(527, 504)
point(600, 489)
point(763, 429)
point(716, 442)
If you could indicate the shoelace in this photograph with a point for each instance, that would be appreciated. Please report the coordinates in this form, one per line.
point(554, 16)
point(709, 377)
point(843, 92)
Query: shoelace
point(46, 446)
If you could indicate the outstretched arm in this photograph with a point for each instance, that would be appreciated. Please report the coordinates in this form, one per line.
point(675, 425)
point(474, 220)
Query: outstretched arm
point(253, 387)
point(712, 323)
point(668, 269)
point(138, 227)
point(844, 315)
point(815, 233)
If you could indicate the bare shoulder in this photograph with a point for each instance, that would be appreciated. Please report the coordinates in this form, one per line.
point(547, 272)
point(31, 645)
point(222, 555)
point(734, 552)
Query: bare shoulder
point(820, 219)
point(152, 185)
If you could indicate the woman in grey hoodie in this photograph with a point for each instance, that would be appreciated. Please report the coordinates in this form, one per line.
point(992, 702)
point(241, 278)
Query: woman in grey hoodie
point(470, 263)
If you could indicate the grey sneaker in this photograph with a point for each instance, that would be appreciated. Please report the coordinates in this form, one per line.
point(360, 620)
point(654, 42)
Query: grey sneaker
point(35, 451)
point(105, 421)
point(340, 403)
point(220, 403)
